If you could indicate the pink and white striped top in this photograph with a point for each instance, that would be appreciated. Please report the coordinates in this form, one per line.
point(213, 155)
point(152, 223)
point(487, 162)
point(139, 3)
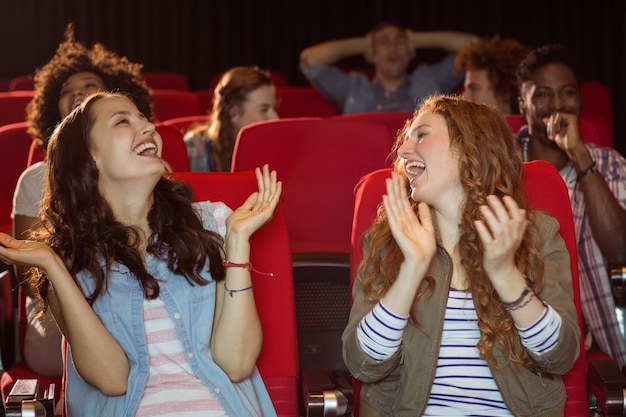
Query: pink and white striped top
point(172, 389)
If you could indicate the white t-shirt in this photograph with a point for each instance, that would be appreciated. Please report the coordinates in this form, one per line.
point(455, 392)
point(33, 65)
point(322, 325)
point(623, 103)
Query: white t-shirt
point(29, 191)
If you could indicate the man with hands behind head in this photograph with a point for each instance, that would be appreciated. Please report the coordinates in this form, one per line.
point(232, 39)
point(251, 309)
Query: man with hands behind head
point(391, 49)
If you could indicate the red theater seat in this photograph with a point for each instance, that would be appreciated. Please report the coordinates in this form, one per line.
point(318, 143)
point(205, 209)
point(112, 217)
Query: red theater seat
point(13, 106)
point(274, 296)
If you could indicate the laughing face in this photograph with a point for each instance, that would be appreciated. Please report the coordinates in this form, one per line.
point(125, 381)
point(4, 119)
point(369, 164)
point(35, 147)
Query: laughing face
point(430, 163)
point(124, 144)
point(76, 88)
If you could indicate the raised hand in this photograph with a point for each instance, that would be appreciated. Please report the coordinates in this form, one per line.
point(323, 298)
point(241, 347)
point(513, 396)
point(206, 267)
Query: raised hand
point(258, 207)
point(415, 235)
point(562, 128)
point(501, 233)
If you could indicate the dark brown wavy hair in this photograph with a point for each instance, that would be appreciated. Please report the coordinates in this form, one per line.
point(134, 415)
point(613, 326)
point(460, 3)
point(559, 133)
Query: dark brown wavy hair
point(71, 57)
point(78, 222)
point(230, 92)
point(490, 163)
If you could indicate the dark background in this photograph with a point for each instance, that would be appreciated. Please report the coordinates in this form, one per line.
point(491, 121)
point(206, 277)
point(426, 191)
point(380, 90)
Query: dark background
point(203, 37)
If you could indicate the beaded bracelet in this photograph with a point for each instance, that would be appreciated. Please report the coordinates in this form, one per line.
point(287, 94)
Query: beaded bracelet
point(231, 292)
point(589, 170)
point(246, 265)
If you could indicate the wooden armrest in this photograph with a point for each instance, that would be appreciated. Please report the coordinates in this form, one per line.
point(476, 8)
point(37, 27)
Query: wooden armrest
point(607, 385)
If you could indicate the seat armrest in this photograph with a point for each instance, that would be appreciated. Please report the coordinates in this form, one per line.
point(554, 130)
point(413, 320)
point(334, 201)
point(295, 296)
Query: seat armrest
point(607, 386)
point(326, 394)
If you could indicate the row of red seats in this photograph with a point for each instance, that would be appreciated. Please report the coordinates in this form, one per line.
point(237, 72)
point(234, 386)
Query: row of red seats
point(300, 101)
point(22, 151)
point(168, 104)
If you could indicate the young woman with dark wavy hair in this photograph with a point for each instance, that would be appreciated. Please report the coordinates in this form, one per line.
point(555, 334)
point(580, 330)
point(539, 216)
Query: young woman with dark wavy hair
point(157, 324)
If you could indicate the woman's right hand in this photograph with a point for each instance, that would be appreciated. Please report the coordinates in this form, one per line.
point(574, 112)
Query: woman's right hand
point(25, 252)
point(415, 235)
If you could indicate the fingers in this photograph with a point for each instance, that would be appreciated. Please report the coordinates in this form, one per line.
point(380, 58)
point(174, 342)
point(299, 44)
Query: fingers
point(561, 124)
point(504, 221)
point(555, 124)
point(396, 195)
point(270, 188)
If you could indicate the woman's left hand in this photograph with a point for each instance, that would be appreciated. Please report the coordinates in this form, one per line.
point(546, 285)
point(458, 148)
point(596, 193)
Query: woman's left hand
point(259, 207)
point(501, 233)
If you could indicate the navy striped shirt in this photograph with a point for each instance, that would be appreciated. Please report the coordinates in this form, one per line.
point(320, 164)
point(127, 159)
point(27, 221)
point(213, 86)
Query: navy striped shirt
point(463, 382)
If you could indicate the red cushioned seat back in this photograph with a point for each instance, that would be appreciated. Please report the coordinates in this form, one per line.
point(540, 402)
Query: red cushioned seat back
point(278, 362)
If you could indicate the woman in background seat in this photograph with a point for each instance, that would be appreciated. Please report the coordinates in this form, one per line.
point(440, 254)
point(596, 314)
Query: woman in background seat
point(243, 95)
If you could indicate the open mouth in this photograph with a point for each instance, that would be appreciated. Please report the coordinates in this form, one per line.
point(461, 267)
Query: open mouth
point(414, 168)
point(146, 149)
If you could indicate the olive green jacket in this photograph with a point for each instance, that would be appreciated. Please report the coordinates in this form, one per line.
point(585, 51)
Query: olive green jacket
point(400, 385)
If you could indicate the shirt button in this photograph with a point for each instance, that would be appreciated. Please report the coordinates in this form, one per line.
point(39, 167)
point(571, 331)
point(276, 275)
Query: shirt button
point(190, 355)
point(217, 390)
point(177, 316)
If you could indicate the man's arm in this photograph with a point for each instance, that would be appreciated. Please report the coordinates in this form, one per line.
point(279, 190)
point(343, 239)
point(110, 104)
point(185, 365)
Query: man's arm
point(333, 51)
point(446, 40)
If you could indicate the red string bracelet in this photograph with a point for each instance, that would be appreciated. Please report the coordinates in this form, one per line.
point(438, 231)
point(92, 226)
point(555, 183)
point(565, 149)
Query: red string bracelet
point(247, 265)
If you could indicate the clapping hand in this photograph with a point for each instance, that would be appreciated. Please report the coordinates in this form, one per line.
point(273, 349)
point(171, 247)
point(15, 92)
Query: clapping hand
point(501, 233)
point(415, 234)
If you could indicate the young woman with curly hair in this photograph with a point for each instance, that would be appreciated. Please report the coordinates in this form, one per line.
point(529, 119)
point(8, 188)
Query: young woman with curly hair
point(463, 301)
point(74, 72)
point(243, 95)
point(157, 324)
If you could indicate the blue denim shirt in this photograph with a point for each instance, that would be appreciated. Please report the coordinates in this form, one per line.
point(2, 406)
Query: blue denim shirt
point(192, 309)
point(356, 93)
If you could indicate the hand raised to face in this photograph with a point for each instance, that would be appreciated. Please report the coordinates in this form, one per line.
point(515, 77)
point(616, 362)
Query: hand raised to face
point(415, 234)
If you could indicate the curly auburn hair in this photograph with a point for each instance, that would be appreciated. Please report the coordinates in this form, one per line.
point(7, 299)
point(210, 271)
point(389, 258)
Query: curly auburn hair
point(500, 58)
point(72, 57)
point(490, 163)
point(78, 222)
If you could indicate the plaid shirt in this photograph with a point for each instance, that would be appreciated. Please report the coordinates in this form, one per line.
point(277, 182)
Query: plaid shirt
point(597, 301)
point(596, 296)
